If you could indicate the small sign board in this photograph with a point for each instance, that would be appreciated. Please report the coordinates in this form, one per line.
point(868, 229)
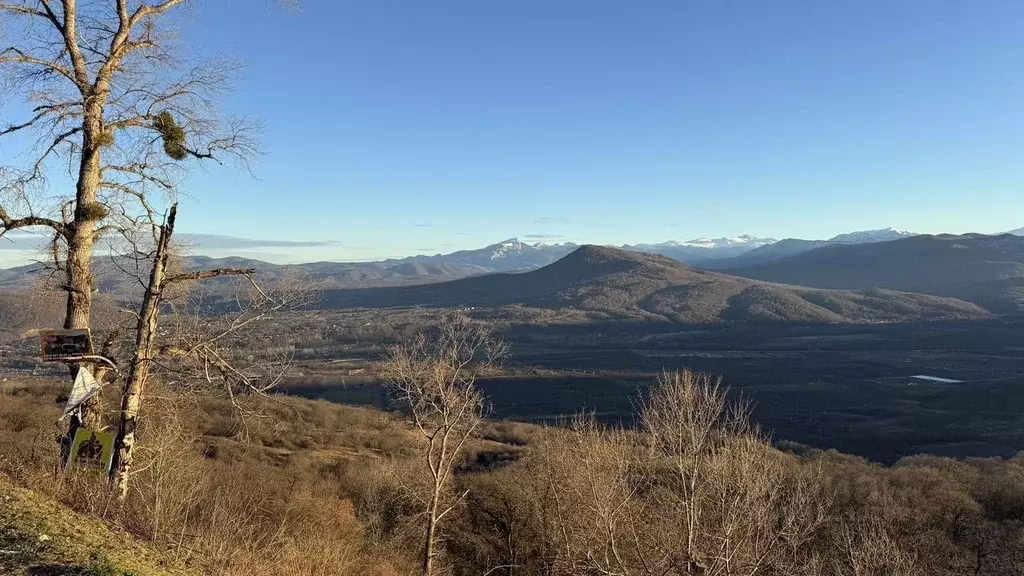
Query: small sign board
point(92, 450)
point(61, 345)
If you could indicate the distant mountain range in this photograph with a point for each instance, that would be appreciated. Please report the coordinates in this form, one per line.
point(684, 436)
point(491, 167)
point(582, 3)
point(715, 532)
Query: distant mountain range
point(985, 270)
point(515, 255)
point(868, 236)
point(793, 246)
point(701, 249)
point(877, 276)
point(505, 256)
point(603, 283)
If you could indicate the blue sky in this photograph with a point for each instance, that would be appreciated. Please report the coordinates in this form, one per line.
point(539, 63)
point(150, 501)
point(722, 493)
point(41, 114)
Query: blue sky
point(397, 127)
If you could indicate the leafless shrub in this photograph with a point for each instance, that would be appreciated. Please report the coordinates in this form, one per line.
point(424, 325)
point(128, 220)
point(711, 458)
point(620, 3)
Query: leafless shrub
point(695, 490)
point(734, 501)
point(433, 376)
point(865, 546)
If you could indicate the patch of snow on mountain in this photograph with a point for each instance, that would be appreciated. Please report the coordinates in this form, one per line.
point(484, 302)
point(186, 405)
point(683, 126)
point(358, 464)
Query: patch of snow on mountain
point(510, 246)
point(745, 241)
point(868, 236)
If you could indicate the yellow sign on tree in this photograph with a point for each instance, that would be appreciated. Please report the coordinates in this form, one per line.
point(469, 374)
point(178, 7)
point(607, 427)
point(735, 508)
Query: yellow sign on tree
point(92, 449)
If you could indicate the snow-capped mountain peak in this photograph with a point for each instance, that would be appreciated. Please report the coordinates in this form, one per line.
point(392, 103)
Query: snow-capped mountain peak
point(700, 249)
point(1017, 232)
point(508, 247)
point(744, 241)
point(867, 236)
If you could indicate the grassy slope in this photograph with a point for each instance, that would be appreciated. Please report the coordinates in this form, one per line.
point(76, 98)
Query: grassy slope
point(41, 537)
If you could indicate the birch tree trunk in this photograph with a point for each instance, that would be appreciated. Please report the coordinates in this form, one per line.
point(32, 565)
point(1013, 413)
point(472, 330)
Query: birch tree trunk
point(138, 370)
point(431, 536)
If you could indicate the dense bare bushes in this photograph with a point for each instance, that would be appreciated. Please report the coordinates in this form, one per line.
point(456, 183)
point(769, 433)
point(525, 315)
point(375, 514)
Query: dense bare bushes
point(694, 491)
point(320, 489)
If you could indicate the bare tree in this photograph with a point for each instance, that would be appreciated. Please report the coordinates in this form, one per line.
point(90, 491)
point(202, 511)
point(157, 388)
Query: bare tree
point(119, 106)
point(434, 376)
point(738, 505)
point(196, 353)
point(116, 102)
point(694, 491)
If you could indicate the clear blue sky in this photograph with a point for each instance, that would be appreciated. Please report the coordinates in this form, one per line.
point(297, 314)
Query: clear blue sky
point(397, 127)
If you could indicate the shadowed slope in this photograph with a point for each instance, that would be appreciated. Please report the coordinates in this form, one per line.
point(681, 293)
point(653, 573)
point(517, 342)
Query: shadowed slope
point(985, 270)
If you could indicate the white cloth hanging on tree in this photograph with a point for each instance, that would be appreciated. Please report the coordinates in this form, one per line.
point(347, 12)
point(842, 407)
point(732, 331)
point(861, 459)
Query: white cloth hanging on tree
point(84, 388)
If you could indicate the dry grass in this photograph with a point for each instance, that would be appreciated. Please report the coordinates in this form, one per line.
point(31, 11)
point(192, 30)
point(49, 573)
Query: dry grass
point(260, 495)
point(40, 536)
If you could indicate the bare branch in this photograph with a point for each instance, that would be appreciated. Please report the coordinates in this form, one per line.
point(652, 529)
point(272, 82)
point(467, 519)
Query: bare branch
point(14, 55)
point(21, 9)
point(148, 10)
point(70, 35)
point(28, 221)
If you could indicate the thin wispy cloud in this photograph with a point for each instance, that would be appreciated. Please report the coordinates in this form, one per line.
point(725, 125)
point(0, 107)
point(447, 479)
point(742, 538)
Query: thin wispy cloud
point(544, 236)
point(545, 220)
point(221, 242)
point(22, 240)
point(551, 220)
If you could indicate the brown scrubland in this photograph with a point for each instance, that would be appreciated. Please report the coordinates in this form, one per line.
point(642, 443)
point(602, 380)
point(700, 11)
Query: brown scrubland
point(312, 488)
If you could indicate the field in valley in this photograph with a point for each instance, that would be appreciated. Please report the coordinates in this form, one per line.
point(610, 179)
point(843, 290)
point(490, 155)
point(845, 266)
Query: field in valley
point(827, 386)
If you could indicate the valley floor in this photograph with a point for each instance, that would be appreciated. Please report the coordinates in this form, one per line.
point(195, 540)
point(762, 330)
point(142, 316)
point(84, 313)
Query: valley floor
point(845, 387)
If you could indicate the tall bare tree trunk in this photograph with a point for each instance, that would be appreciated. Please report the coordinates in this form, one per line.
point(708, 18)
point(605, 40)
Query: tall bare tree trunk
point(80, 238)
point(138, 371)
point(81, 233)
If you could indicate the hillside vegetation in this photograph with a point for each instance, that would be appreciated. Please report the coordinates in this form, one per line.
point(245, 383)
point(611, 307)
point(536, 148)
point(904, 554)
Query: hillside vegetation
point(607, 283)
point(314, 489)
